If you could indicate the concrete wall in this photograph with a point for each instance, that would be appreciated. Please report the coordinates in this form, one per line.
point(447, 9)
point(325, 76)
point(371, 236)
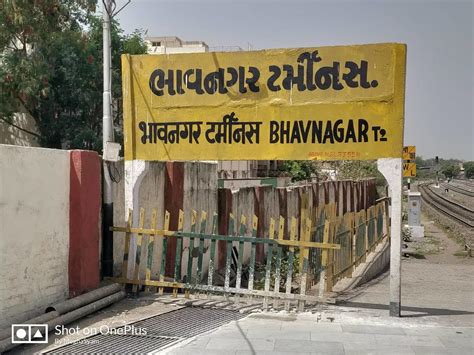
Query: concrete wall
point(168, 187)
point(200, 194)
point(151, 196)
point(44, 195)
point(34, 234)
point(377, 263)
point(228, 169)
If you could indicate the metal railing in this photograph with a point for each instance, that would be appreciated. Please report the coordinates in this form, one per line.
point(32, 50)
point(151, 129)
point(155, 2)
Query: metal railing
point(358, 234)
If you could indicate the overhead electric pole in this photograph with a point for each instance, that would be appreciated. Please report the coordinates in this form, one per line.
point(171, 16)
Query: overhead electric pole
point(107, 136)
point(108, 12)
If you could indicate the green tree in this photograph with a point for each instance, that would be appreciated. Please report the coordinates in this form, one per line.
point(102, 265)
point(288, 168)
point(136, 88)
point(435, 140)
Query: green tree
point(300, 170)
point(425, 169)
point(361, 169)
point(469, 169)
point(450, 170)
point(51, 66)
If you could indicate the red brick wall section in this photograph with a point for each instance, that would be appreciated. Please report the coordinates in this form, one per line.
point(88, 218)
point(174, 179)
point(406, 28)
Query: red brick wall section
point(173, 200)
point(84, 214)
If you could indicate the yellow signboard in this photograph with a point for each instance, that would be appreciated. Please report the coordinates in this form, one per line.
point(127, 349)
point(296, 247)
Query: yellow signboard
point(409, 169)
point(327, 103)
point(409, 153)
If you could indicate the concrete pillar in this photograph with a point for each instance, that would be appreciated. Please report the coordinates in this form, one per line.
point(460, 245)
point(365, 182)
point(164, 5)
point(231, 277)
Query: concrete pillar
point(135, 171)
point(84, 215)
point(391, 168)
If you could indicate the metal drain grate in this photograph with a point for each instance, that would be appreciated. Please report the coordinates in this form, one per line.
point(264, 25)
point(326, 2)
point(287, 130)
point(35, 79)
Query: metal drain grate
point(116, 344)
point(188, 322)
point(162, 331)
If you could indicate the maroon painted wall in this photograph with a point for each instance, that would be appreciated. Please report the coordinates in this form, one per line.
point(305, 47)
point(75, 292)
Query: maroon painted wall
point(84, 217)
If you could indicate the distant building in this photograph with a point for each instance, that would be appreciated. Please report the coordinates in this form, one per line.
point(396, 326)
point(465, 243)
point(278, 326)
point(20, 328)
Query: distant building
point(174, 45)
point(22, 122)
point(14, 135)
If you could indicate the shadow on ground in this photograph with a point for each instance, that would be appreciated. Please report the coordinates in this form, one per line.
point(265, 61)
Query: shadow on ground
point(420, 311)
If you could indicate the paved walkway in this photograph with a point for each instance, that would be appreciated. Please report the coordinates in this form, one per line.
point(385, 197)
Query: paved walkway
point(308, 334)
point(437, 314)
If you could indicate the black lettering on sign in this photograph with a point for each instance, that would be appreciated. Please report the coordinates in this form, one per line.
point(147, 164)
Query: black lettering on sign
point(214, 82)
point(363, 129)
point(234, 76)
point(304, 129)
point(291, 79)
point(350, 132)
point(328, 134)
point(274, 136)
point(170, 132)
point(339, 131)
point(252, 81)
point(276, 71)
point(360, 71)
point(327, 77)
point(319, 132)
point(308, 73)
point(379, 134)
point(195, 85)
point(230, 130)
point(310, 59)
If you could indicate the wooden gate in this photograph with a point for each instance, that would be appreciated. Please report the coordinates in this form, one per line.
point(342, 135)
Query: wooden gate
point(283, 275)
point(323, 254)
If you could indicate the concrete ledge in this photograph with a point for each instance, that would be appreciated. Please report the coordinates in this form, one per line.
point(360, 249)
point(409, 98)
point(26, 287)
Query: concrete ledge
point(376, 263)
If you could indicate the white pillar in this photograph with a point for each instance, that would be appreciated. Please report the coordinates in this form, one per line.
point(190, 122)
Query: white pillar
point(135, 171)
point(391, 168)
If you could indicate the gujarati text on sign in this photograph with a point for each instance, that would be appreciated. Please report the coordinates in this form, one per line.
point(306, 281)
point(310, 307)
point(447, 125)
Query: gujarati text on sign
point(311, 103)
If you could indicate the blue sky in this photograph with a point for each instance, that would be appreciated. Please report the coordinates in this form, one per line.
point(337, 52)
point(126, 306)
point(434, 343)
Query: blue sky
point(439, 116)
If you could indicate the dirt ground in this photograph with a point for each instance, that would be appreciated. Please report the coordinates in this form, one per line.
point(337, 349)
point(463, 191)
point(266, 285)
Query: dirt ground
point(438, 246)
point(437, 283)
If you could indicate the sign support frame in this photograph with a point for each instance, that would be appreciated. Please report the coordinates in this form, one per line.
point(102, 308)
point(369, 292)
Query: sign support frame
point(391, 169)
point(135, 171)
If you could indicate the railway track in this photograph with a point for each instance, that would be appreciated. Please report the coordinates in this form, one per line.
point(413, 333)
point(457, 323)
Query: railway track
point(468, 183)
point(458, 189)
point(461, 214)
